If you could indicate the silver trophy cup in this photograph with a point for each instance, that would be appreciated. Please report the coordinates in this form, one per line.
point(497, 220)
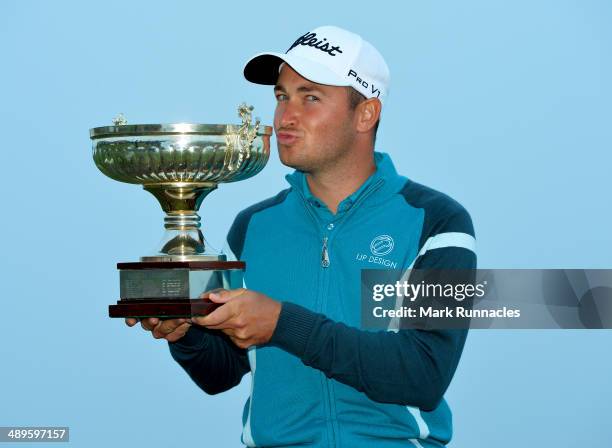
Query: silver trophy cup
point(180, 164)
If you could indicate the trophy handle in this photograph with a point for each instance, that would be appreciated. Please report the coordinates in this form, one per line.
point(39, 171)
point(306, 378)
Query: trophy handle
point(247, 133)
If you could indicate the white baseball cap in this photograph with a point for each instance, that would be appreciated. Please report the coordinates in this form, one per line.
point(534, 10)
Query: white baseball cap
point(327, 55)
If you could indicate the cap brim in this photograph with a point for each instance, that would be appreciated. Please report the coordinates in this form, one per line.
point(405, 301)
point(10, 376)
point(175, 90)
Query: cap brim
point(263, 69)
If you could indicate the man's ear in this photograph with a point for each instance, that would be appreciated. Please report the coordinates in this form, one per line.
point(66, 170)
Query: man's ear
point(367, 114)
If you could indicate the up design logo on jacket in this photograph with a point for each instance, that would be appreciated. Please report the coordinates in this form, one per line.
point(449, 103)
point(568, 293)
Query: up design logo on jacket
point(379, 247)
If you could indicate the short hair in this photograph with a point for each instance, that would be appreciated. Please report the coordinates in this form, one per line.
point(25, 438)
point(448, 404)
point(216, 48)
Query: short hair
point(356, 98)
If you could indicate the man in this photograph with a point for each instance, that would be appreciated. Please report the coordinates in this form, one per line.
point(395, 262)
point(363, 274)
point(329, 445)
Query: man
point(317, 378)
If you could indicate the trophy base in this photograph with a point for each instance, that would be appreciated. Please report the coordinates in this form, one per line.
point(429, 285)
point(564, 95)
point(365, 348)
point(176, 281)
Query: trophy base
point(172, 289)
point(162, 308)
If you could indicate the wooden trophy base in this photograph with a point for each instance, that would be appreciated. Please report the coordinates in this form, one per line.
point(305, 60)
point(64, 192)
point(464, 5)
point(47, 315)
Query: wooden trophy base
point(162, 308)
point(172, 289)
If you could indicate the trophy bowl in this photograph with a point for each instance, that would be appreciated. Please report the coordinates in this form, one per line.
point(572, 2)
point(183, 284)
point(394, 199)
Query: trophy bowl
point(180, 164)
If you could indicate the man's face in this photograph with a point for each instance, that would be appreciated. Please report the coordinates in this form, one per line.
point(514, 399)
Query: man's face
point(313, 122)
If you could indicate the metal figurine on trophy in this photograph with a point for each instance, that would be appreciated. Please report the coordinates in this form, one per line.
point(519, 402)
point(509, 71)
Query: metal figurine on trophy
point(180, 164)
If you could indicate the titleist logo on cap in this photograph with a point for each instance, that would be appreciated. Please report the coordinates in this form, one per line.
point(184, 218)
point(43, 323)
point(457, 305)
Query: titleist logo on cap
point(310, 40)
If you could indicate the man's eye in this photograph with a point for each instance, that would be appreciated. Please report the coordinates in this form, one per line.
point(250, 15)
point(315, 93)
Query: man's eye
point(311, 98)
point(281, 97)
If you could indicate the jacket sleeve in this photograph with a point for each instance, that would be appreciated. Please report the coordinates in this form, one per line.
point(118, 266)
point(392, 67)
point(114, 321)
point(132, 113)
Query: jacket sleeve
point(407, 367)
point(210, 358)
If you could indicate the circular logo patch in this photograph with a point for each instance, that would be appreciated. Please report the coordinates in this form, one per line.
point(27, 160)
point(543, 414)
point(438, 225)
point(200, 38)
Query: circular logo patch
point(381, 245)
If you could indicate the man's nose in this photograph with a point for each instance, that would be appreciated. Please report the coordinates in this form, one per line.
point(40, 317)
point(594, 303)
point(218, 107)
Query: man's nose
point(288, 115)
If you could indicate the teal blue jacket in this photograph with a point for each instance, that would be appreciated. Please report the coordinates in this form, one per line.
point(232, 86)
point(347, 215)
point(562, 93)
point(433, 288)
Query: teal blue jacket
point(322, 381)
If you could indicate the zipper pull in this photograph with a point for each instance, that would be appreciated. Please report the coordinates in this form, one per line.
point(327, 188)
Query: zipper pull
point(325, 254)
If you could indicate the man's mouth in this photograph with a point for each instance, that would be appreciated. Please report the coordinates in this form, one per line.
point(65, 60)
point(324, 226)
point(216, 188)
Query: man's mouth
point(286, 138)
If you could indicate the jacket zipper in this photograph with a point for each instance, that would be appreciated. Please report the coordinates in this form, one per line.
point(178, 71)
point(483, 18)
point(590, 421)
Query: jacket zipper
point(324, 254)
point(323, 290)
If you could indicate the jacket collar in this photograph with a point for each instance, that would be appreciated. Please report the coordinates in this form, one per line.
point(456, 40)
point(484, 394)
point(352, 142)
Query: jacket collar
point(385, 177)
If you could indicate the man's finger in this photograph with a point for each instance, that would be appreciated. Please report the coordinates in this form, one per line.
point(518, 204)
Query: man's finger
point(225, 326)
point(131, 321)
point(178, 333)
point(166, 327)
point(222, 295)
point(149, 323)
point(219, 316)
point(205, 294)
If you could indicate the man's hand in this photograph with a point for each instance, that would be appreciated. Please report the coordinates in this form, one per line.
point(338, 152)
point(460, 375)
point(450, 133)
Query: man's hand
point(247, 317)
point(172, 329)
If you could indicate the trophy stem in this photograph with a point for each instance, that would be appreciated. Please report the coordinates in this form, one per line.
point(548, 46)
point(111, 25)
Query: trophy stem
point(183, 239)
point(182, 221)
point(180, 197)
point(183, 235)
